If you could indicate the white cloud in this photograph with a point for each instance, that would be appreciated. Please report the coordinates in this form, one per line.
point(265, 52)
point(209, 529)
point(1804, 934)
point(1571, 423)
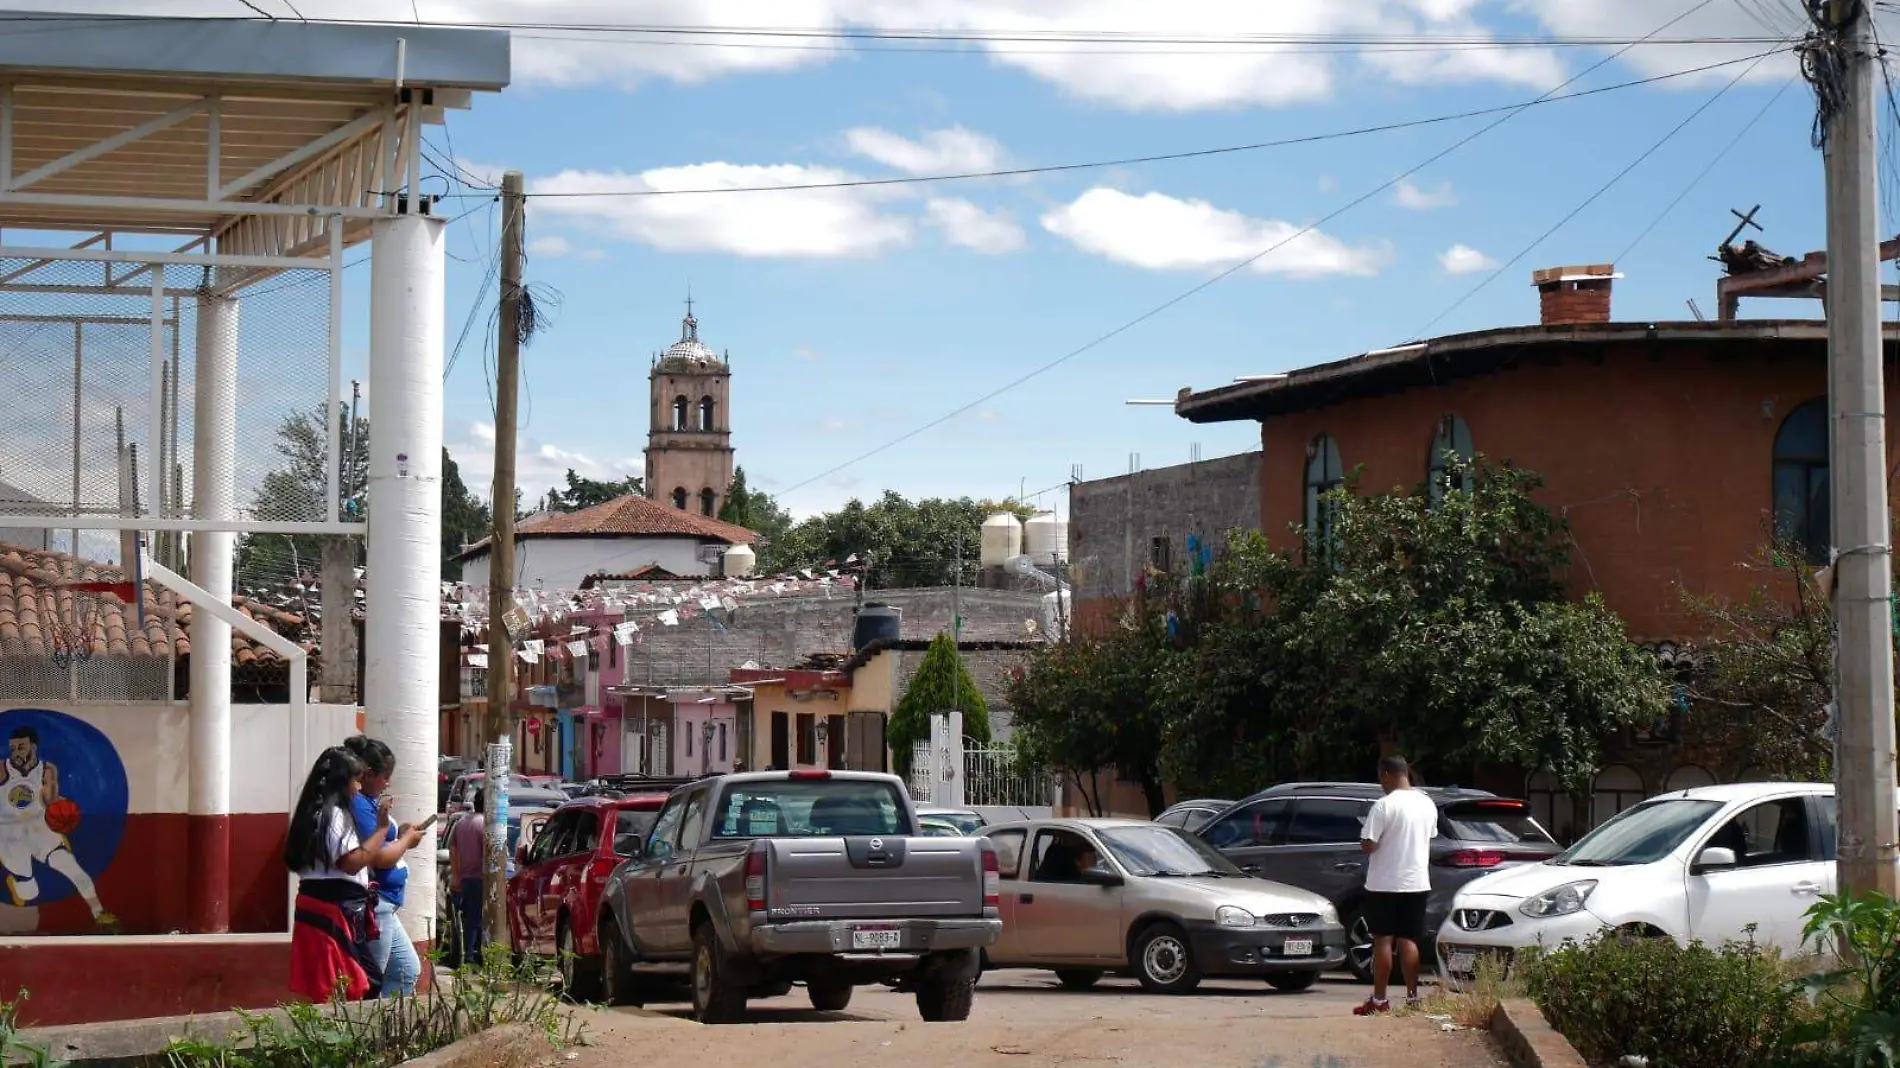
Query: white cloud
point(1463, 259)
point(1415, 198)
point(818, 223)
point(1160, 232)
point(539, 465)
point(965, 224)
point(593, 255)
point(951, 151)
point(549, 245)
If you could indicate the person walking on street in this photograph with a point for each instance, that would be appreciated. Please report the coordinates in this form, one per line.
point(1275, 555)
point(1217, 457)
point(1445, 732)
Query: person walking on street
point(335, 916)
point(1397, 840)
point(389, 872)
point(466, 846)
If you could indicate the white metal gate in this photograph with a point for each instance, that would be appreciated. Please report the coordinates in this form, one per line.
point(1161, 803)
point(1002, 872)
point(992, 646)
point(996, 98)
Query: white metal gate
point(995, 775)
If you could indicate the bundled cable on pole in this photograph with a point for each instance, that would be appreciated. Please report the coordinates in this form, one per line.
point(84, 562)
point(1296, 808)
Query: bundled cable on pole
point(1824, 55)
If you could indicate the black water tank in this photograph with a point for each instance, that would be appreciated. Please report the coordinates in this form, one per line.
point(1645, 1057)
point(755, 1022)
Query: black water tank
point(877, 622)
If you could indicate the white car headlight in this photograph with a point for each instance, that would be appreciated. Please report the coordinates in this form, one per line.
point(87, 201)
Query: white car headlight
point(1559, 901)
point(1328, 914)
point(1233, 916)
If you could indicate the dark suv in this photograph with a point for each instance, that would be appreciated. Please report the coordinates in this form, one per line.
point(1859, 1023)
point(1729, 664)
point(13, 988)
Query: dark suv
point(1307, 835)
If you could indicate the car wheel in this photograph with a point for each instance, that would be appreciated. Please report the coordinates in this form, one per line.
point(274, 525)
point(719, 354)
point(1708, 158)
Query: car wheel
point(1077, 978)
point(1293, 982)
point(1163, 962)
point(1359, 953)
point(619, 986)
point(942, 999)
point(715, 999)
point(580, 975)
point(829, 997)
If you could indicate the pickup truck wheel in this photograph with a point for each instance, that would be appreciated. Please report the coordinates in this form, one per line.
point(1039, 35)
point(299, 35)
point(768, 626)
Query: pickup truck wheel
point(1077, 978)
point(619, 986)
point(1164, 963)
point(1293, 982)
point(715, 999)
point(942, 999)
point(829, 997)
point(580, 976)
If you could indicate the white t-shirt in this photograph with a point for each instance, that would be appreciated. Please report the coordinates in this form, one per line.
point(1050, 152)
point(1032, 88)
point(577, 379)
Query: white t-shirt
point(1403, 823)
point(339, 838)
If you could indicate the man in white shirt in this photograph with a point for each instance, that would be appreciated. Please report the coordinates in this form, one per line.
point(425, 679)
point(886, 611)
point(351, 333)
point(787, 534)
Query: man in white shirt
point(1397, 840)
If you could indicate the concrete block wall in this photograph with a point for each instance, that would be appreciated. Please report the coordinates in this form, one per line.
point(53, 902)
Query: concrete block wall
point(1113, 522)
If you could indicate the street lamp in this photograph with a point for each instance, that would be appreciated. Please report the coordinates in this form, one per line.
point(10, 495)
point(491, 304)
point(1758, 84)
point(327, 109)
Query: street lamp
point(823, 731)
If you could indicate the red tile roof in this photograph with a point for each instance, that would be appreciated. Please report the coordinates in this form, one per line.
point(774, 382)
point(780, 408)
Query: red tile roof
point(632, 516)
point(30, 595)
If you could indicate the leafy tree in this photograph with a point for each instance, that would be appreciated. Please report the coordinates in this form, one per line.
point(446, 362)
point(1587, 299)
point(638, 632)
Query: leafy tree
point(941, 683)
point(756, 511)
point(294, 490)
point(906, 543)
point(466, 518)
point(588, 492)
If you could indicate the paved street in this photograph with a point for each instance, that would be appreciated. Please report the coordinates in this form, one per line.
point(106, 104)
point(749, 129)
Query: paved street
point(1023, 1021)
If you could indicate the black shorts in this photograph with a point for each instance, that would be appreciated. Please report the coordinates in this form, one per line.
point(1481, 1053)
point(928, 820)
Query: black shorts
point(1396, 915)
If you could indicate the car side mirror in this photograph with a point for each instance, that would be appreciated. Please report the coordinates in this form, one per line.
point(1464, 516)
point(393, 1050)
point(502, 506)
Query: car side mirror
point(1101, 877)
point(1714, 858)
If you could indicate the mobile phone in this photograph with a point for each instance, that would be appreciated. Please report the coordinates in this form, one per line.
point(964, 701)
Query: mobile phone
point(428, 823)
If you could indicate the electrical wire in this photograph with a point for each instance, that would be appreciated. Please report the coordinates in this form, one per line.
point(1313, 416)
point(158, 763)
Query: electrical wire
point(1586, 202)
point(259, 10)
point(1222, 275)
point(1129, 161)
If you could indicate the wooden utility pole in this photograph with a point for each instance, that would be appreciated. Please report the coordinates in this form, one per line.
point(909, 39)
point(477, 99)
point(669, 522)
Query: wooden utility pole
point(1863, 601)
point(500, 727)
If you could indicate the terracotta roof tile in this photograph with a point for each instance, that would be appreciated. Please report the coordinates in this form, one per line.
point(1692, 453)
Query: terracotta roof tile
point(628, 516)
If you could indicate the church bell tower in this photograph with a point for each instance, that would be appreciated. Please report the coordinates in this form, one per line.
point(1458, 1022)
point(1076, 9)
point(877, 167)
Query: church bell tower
point(689, 430)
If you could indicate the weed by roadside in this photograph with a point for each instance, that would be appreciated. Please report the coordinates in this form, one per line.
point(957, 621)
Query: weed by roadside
point(15, 1051)
point(1473, 1002)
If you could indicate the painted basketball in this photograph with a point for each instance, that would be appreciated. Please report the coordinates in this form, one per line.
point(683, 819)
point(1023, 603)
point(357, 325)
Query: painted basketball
point(63, 816)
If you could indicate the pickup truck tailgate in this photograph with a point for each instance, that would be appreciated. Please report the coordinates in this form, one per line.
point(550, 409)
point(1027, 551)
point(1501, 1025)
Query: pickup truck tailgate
point(871, 878)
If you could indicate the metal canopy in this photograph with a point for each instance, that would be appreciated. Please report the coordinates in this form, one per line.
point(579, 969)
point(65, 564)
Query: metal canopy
point(250, 134)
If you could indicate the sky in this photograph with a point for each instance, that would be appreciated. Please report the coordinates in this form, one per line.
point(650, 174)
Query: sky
point(913, 336)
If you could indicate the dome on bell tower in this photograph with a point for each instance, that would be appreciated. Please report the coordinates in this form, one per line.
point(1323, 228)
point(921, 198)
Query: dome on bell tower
point(689, 348)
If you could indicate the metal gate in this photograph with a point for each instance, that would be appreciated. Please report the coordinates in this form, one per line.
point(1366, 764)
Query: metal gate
point(996, 775)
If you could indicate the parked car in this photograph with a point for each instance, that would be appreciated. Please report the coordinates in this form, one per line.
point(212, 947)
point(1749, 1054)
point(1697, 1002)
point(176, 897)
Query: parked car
point(938, 827)
point(1703, 864)
point(462, 791)
point(966, 821)
point(1159, 904)
point(448, 769)
point(528, 812)
point(554, 893)
point(1191, 815)
point(1307, 835)
point(749, 883)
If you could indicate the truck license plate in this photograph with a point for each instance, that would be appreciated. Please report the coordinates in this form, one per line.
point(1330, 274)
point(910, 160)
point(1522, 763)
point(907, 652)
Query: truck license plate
point(1297, 947)
point(876, 938)
point(1463, 962)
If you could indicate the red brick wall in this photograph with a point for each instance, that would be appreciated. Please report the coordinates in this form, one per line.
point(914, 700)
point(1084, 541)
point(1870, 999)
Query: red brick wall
point(1660, 459)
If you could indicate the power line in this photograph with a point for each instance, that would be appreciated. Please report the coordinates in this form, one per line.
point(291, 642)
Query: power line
point(259, 10)
point(1587, 201)
point(1127, 161)
point(1224, 274)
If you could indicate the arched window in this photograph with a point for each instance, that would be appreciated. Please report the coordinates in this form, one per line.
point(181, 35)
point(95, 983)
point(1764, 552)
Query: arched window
point(707, 500)
point(679, 413)
point(1688, 777)
point(1544, 793)
point(1452, 438)
point(1616, 788)
point(679, 498)
point(1323, 474)
point(705, 413)
point(1802, 496)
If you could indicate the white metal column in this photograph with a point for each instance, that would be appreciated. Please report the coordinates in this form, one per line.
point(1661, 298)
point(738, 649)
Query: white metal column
point(402, 635)
point(214, 456)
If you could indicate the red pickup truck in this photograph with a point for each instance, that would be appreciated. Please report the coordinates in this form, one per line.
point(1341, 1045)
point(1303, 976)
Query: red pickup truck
point(554, 894)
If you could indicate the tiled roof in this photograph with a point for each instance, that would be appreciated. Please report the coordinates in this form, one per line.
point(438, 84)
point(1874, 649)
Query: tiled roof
point(30, 594)
point(632, 516)
point(649, 573)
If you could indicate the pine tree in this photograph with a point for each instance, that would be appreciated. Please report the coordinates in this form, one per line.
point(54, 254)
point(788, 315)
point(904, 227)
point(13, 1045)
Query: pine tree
point(942, 683)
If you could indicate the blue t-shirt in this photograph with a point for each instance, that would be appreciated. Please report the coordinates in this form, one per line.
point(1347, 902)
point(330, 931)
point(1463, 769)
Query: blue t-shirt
point(389, 881)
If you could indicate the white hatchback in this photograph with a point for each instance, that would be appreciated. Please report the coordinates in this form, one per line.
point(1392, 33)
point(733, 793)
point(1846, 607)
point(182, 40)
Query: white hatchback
point(1714, 864)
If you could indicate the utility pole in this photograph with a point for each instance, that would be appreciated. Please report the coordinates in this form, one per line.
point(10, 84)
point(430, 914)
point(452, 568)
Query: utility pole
point(1863, 571)
point(501, 574)
point(956, 629)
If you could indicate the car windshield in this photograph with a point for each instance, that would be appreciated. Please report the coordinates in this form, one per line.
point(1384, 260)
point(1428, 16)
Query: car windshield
point(630, 829)
point(1640, 835)
point(964, 822)
point(809, 808)
point(1499, 822)
point(1159, 850)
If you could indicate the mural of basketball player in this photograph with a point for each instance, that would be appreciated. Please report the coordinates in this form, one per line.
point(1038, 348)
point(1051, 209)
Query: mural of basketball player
point(34, 823)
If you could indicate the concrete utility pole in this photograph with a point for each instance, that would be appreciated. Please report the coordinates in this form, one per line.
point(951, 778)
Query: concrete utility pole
point(501, 572)
point(1863, 602)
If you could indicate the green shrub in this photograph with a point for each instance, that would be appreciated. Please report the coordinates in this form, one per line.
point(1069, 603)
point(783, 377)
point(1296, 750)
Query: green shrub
point(1855, 1022)
point(1680, 1007)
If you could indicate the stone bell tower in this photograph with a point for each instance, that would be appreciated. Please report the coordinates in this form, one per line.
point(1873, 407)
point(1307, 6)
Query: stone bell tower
point(689, 429)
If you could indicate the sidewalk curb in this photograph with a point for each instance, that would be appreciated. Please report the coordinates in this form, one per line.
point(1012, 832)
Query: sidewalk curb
point(1528, 1040)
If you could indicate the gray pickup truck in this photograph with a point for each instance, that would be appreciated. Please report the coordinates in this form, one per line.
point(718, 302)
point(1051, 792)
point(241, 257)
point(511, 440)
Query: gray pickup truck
point(750, 883)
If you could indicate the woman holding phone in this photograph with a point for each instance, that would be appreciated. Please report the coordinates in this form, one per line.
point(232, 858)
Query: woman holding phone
point(394, 954)
point(335, 916)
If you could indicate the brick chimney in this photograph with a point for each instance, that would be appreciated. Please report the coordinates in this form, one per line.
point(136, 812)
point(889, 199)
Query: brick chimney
point(1575, 294)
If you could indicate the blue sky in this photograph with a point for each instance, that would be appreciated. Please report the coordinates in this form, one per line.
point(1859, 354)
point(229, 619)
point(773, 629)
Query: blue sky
point(854, 317)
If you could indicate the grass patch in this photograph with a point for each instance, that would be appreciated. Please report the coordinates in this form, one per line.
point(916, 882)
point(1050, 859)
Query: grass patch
point(1473, 1002)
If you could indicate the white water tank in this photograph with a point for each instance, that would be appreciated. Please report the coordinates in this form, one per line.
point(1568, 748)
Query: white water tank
point(1046, 540)
point(1002, 539)
point(740, 560)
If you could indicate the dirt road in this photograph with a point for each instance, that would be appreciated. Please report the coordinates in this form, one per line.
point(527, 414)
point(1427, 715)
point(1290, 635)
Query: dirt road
point(1022, 1020)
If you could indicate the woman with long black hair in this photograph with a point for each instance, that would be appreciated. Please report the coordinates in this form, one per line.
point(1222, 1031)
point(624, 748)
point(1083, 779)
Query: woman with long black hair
point(335, 928)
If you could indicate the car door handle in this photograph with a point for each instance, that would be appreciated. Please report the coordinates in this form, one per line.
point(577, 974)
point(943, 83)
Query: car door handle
point(1348, 865)
point(1026, 899)
point(1250, 869)
point(1804, 889)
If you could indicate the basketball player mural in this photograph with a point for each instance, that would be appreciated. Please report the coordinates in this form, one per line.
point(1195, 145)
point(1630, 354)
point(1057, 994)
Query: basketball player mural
point(35, 822)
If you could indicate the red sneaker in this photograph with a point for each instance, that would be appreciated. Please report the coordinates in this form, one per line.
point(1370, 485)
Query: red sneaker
point(1372, 1007)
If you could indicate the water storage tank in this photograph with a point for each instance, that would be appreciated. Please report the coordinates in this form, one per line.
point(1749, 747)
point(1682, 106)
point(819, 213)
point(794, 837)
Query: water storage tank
point(740, 560)
point(1046, 540)
point(1002, 539)
point(875, 622)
